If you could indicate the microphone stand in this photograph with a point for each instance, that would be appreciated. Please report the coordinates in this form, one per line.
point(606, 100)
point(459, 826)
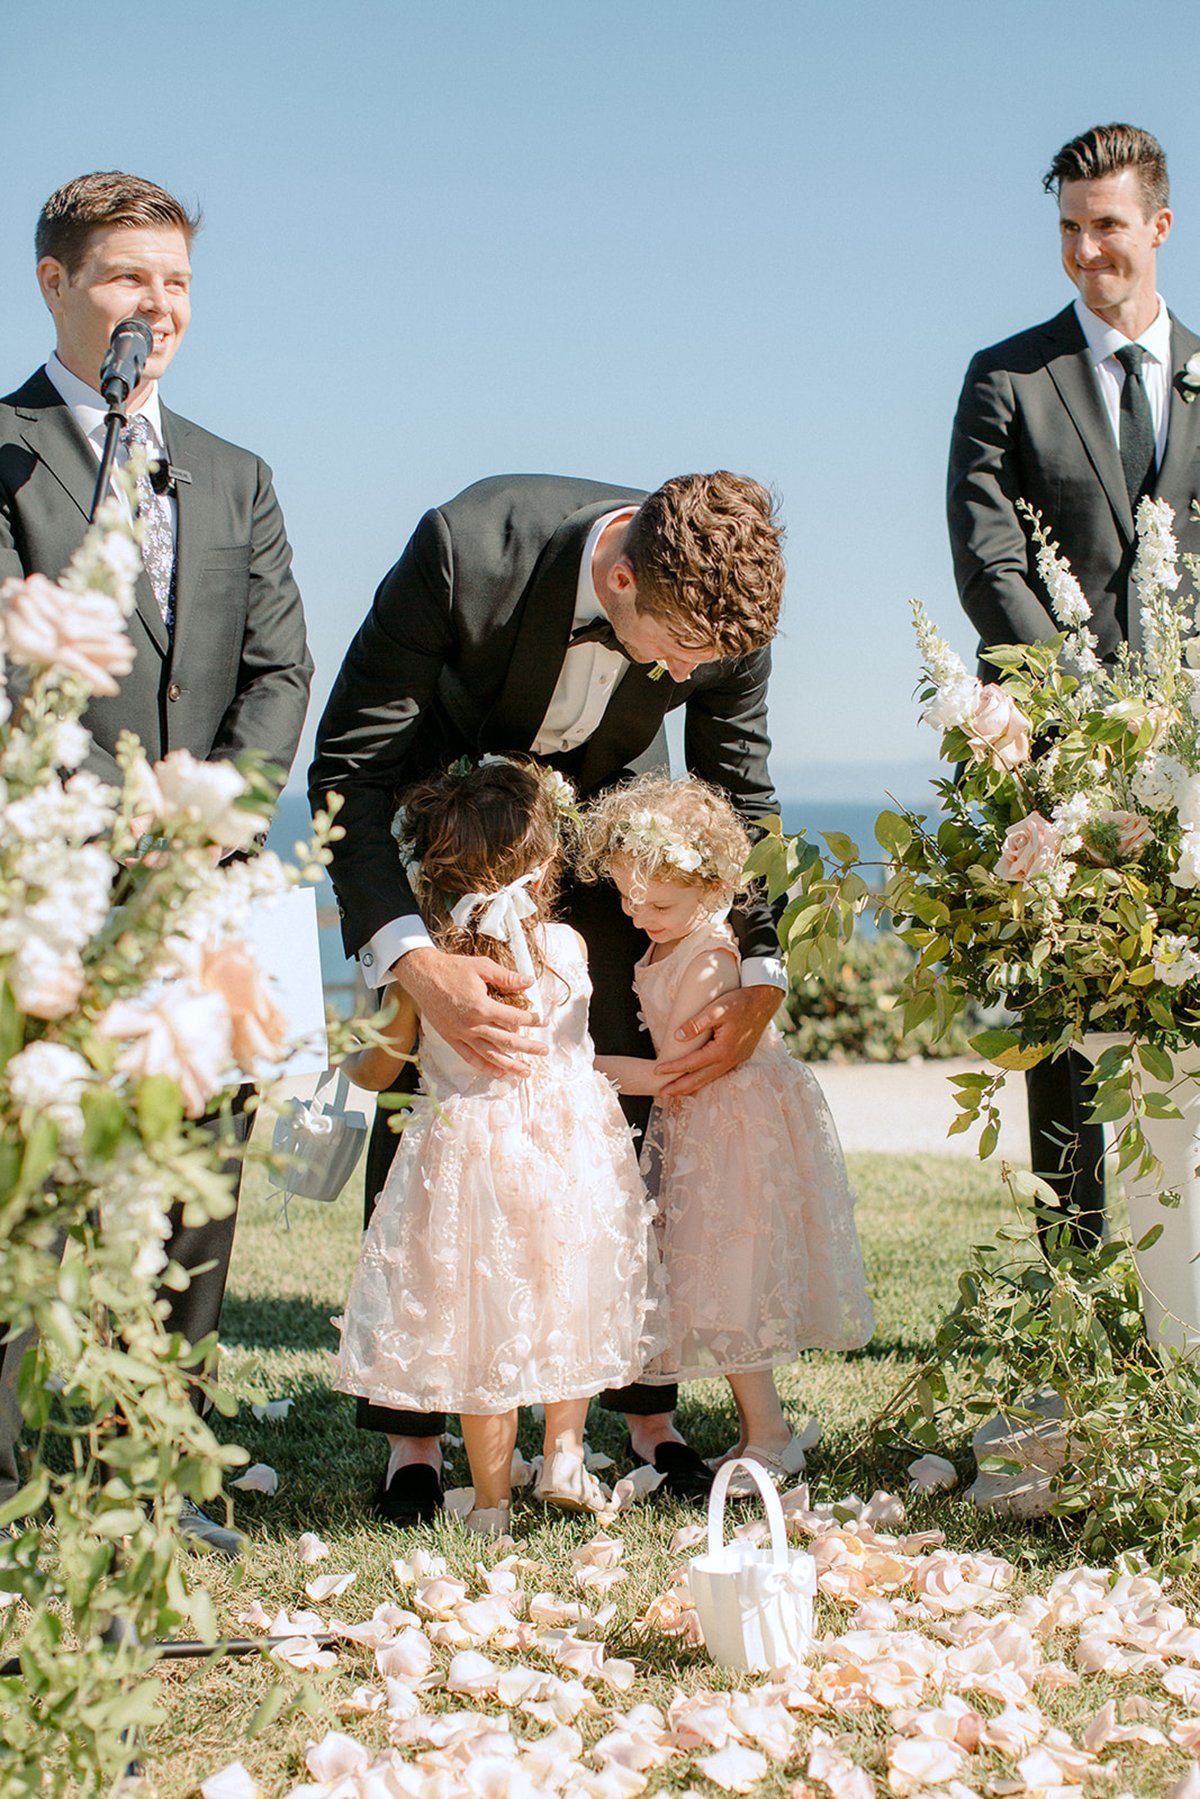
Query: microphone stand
point(114, 424)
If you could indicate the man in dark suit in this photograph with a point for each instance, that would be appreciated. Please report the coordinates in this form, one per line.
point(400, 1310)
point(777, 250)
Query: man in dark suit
point(222, 665)
point(1079, 417)
point(561, 619)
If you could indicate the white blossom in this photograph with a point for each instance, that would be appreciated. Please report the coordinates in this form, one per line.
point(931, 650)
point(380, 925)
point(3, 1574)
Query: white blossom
point(1070, 815)
point(955, 704)
point(205, 794)
point(1175, 960)
point(1067, 601)
point(1187, 874)
point(135, 1201)
point(50, 1078)
point(46, 981)
point(1156, 781)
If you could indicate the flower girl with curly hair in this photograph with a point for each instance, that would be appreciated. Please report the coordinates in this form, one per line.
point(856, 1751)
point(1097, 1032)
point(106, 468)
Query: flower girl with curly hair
point(510, 1258)
point(756, 1217)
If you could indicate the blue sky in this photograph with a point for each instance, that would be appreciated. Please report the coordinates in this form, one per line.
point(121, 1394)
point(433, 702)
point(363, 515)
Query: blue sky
point(448, 239)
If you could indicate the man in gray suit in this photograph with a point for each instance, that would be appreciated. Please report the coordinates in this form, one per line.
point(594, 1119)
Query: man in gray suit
point(222, 665)
point(1080, 417)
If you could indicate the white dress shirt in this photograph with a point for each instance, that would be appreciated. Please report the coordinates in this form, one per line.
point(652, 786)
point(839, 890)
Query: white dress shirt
point(1104, 341)
point(589, 677)
point(89, 410)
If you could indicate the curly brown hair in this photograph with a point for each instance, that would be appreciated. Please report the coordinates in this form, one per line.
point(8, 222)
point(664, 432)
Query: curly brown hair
point(474, 832)
point(706, 553)
point(649, 821)
point(107, 200)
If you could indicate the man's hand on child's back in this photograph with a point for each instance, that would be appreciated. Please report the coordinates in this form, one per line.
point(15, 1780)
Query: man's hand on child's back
point(451, 994)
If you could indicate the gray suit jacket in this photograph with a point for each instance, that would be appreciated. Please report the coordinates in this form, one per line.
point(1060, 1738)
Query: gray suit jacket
point(236, 675)
point(461, 652)
point(1031, 425)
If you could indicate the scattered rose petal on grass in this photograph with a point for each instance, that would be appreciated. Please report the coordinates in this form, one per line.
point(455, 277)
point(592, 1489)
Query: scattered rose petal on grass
point(595, 1461)
point(1188, 1785)
point(328, 1586)
point(309, 1548)
point(438, 1596)
point(1104, 1729)
point(232, 1782)
point(735, 1768)
point(302, 1653)
point(421, 1565)
point(686, 1537)
point(364, 1700)
point(334, 1756)
point(297, 1624)
point(459, 1501)
point(917, 1762)
point(599, 1580)
point(931, 1474)
point(256, 1617)
point(371, 1633)
point(470, 1672)
point(273, 1409)
point(409, 1657)
point(601, 1551)
point(844, 1778)
point(260, 1477)
point(632, 1487)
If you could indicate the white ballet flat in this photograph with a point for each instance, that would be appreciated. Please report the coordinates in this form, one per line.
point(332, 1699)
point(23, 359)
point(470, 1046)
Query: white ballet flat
point(780, 1464)
point(566, 1483)
point(488, 1520)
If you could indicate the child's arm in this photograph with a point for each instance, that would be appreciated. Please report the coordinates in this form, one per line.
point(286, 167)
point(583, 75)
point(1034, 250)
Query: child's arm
point(705, 979)
point(376, 1065)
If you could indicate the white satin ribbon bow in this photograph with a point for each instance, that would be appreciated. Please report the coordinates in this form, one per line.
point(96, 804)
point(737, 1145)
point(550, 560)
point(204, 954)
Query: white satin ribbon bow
point(501, 914)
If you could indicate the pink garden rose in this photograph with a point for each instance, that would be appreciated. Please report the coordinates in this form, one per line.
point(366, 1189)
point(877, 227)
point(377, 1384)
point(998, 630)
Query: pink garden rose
point(259, 1027)
point(84, 633)
point(999, 730)
point(1030, 848)
point(184, 1033)
point(1133, 831)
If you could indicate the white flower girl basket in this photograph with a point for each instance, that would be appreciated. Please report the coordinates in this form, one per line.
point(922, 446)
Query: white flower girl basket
point(321, 1139)
point(755, 1605)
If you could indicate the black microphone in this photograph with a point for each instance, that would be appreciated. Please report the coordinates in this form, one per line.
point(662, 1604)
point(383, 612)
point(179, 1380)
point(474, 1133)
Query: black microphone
point(128, 348)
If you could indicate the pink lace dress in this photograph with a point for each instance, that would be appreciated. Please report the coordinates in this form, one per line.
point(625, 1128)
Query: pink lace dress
point(511, 1256)
point(756, 1216)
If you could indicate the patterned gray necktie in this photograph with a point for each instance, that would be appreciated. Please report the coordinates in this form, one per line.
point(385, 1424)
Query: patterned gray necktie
point(1136, 427)
point(158, 549)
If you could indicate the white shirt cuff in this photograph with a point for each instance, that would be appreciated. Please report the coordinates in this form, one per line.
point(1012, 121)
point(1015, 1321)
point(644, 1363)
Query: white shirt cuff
point(764, 971)
point(387, 946)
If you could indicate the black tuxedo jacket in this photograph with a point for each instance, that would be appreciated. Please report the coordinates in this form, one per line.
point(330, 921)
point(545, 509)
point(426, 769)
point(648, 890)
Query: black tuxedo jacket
point(461, 652)
point(236, 675)
point(1031, 424)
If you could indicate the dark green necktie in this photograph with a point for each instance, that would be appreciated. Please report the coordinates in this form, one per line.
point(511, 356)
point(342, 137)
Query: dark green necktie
point(1136, 432)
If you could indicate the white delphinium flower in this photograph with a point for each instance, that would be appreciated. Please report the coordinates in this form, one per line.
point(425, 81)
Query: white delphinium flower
point(1175, 960)
point(70, 743)
point(958, 691)
point(1156, 780)
point(50, 1078)
point(1067, 601)
point(135, 1201)
point(1187, 874)
point(73, 813)
point(74, 888)
point(1155, 564)
point(46, 981)
point(1071, 815)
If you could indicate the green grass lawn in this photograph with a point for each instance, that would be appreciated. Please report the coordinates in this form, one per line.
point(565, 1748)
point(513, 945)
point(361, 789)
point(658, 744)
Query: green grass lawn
point(917, 1217)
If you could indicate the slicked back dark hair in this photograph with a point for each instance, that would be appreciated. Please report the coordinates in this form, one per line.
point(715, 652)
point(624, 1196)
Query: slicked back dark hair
point(1106, 150)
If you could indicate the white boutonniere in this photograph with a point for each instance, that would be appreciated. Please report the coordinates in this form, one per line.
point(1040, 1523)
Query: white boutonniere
point(1189, 378)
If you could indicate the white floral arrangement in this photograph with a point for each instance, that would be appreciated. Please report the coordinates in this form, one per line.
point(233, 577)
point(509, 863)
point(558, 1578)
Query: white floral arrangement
point(131, 1004)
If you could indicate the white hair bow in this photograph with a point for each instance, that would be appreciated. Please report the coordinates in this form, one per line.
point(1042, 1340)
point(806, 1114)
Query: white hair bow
point(501, 913)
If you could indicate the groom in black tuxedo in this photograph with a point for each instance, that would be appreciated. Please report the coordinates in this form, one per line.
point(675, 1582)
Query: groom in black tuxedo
point(222, 665)
point(1079, 417)
point(562, 619)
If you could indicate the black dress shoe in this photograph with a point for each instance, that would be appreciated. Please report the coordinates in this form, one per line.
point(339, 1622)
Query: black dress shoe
point(687, 1476)
point(414, 1495)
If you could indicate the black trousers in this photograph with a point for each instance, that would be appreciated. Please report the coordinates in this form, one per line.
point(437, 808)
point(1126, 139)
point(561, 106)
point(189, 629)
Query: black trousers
point(1065, 1151)
point(195, 1313)
point(613, 948)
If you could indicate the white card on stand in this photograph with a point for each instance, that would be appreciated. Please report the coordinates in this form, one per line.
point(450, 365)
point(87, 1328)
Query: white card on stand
point(283, 932)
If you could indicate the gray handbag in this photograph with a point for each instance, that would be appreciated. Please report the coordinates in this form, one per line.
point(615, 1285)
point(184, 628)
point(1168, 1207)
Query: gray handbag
point(320, 1140)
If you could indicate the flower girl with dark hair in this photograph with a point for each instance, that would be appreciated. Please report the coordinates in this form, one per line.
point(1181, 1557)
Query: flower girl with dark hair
point(510, 1258)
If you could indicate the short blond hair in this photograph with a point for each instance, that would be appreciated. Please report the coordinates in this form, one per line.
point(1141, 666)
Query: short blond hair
point(684, 832)
point(707, 555)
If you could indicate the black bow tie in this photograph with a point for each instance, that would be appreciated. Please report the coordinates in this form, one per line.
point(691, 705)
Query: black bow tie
point(599, 631)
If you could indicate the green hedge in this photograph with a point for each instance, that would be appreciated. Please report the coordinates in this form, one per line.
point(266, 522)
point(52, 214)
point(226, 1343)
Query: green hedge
point(853, 1018)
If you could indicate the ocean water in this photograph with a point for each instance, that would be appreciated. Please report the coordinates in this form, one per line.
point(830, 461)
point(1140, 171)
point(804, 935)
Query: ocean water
point(855, 817)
